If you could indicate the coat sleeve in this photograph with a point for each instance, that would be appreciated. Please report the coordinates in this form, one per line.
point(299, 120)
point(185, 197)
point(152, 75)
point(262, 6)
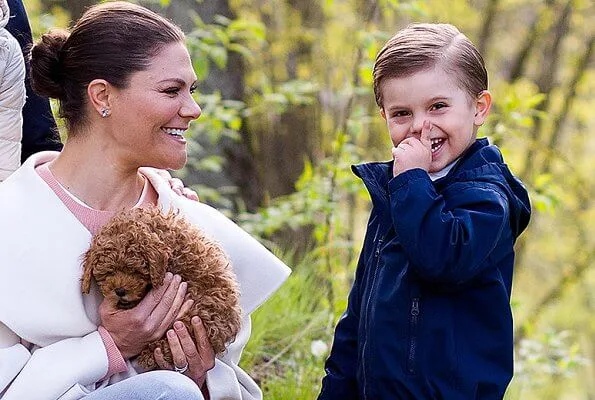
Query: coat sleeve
point(64, 369)
point(12, 100)
point(341, 366)
point(448, 242)
point(39, 127)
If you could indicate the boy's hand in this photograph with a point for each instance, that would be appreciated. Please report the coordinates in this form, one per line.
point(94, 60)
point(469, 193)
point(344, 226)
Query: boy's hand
point(413, 153)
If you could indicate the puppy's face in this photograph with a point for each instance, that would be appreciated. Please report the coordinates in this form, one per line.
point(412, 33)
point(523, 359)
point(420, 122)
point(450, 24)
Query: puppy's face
point(126, 285)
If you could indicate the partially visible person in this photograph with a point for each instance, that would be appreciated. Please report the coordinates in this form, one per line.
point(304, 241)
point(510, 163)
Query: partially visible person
point(429, 316)
point(39, 131)
point(12, 97)
point(39, 127)
point(124, 81)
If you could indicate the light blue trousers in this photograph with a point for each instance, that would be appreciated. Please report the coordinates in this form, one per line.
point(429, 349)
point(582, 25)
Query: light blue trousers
point(154, 385)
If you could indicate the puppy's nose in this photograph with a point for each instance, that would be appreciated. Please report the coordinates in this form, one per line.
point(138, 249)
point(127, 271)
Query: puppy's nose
point(120, 291)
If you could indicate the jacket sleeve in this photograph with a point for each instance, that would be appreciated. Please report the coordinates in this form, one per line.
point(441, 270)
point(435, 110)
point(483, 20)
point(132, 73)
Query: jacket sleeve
point(341, 366)
point(447, 242)
point(227, 380)
point(66, 368)
point(12, 100)
point(39, 127)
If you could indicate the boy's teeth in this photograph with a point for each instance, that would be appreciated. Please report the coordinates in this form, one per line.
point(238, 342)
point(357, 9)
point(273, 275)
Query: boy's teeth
point(436, 143)
point(176, 132)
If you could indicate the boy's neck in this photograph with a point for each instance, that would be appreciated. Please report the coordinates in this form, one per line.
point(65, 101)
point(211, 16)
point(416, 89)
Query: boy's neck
point(443, 172)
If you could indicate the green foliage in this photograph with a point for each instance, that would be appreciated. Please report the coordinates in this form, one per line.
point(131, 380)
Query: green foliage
point(311, 62)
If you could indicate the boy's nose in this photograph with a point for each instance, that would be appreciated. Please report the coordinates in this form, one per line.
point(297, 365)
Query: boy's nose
point(416, 126)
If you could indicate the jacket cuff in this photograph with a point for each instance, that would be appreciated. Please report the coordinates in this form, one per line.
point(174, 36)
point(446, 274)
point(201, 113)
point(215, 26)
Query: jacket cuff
point(404, 178)
point(116, 362)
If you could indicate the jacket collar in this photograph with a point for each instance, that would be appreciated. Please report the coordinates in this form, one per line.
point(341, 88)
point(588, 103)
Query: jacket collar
point(376, 175)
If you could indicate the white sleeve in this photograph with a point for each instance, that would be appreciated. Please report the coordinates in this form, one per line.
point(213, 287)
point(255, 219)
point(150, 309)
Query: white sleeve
point(12, 100)
point(227, 381)
point(13, 356)
point(52, 371)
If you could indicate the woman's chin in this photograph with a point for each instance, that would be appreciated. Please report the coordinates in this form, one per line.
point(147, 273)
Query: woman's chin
point(172, 163)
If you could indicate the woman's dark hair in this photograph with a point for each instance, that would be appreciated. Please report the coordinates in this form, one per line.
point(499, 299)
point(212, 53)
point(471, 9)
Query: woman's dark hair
point(110, 41)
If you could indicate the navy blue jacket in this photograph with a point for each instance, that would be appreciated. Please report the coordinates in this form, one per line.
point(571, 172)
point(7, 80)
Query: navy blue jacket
point(429, 314)
point(39, 127)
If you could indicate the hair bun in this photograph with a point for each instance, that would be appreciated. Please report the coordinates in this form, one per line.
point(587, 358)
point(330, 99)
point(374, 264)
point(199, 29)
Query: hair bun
point(46, 64)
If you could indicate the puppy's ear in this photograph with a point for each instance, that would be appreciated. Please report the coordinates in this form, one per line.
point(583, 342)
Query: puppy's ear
point(88, 263)
point(157, 260)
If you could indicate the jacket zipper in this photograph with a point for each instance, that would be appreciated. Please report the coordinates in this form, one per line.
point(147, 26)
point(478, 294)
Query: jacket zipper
point(413, 339)
point(373, 287)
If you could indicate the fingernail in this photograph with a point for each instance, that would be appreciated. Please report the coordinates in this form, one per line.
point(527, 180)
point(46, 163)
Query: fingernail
point(183, 285)
point(177, 278)
point(171, 334)
point(168, 275)
point(195, 320)
point(178, 325)
point(158, 350)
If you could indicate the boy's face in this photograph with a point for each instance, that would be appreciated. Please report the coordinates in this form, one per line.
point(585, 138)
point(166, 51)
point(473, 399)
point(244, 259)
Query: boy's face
point(433, 96)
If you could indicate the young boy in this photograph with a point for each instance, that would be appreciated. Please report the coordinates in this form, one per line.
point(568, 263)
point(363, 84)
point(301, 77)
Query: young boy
point(429, 313)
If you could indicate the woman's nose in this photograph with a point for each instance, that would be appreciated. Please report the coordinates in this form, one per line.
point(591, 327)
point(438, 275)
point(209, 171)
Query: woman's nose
point(190, 109)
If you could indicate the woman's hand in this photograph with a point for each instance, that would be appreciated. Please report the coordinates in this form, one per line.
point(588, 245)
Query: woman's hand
point(195, 358)
point(133, 329)
point(177, 185)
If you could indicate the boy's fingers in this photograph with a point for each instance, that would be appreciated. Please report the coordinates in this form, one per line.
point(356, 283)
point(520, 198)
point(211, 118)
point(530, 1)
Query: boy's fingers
point(425, 134)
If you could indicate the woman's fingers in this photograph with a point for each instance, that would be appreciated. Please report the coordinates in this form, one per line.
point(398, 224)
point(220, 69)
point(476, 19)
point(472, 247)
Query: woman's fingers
point(160, 359)
point(169, 308)
point(205, 350)
point(186, 307)
point(179, 357)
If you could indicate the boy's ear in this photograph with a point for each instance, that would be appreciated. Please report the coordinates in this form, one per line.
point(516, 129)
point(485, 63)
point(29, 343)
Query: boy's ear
point(483, 103)
point(383, 114)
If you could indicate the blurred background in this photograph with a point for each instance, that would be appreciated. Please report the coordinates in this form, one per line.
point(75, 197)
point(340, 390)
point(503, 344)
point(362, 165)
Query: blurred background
point(286, 93)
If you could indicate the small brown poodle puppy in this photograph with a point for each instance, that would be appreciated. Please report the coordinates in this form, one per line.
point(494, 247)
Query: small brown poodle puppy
point(132, 253)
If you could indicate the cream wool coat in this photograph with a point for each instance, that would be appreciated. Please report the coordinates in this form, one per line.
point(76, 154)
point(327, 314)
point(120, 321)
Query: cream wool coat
point(41, 300)
point(12, 97)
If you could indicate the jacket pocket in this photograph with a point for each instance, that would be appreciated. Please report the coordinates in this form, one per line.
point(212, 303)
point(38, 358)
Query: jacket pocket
point(414, 317)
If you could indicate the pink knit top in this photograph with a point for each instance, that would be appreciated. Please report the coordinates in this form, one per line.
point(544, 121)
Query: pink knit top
point(93, 220)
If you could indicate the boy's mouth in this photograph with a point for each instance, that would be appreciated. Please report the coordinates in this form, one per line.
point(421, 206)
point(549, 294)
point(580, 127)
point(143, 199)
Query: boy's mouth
point(437, 144)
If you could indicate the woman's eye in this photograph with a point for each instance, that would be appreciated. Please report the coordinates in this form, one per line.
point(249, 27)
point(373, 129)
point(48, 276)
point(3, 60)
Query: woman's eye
point(172, 90)
point(193, 89)
point(438, 106)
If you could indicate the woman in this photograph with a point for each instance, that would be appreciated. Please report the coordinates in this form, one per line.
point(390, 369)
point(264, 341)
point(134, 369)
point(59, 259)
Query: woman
point(124, 81)
point(12, 97)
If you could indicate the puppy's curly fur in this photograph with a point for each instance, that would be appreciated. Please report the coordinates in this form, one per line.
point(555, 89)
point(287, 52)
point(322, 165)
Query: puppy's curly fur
point(131, 254)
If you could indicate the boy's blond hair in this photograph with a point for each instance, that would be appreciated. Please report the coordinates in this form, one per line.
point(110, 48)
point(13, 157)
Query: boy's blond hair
point(420, 47)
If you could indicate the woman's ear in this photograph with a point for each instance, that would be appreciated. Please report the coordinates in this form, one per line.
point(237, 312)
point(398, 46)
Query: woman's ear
point(99, 92)
point(383, 114)
point(483, 103)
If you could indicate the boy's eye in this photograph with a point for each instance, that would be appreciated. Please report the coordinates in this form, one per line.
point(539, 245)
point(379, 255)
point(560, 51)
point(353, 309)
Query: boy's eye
point(438, 106)
point(400, 114)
